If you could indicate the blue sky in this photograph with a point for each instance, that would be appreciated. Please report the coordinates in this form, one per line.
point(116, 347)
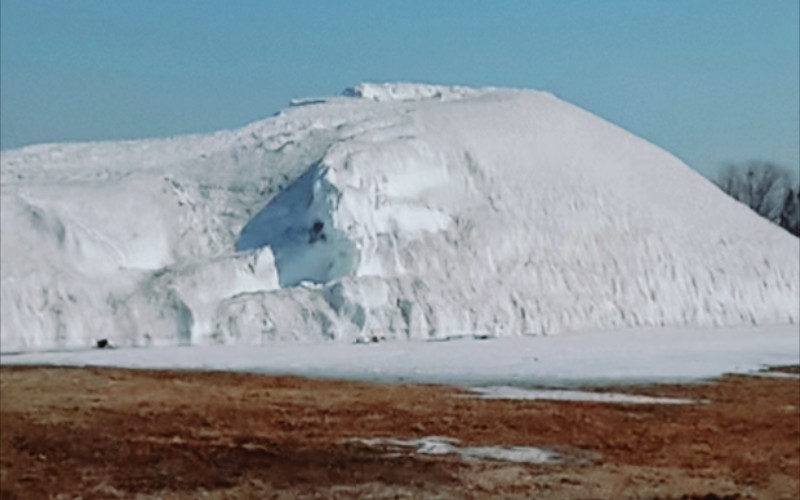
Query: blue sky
point(711, 81)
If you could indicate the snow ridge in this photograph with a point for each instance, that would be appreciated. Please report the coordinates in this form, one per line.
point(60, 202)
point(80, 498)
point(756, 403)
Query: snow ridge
point(397, 211)
point(381, 92)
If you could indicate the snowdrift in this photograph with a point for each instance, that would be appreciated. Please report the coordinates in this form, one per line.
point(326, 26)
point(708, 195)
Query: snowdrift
point(394, 210)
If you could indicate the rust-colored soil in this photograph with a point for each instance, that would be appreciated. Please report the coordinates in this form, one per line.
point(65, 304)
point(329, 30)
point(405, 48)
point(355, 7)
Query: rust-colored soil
point(118, 433)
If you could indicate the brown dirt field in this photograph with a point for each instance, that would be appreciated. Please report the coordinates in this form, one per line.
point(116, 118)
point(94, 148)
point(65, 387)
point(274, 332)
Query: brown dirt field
point(121, 434)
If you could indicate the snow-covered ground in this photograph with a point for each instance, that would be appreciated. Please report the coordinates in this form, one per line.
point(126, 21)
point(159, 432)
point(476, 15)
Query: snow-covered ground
point(400, 211)
point(567, 360)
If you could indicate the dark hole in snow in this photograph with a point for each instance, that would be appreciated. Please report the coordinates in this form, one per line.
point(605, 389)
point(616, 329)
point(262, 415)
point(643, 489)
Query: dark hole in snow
point(316, 232)
point(102, 343)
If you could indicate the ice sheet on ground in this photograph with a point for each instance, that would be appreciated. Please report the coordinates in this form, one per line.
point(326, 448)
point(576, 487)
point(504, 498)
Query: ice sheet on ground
point(589, 358)
point(435, 445)
point(519, 393)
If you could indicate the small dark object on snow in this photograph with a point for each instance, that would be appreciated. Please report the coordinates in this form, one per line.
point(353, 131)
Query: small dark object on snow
point(103, 343)
point(372, 339)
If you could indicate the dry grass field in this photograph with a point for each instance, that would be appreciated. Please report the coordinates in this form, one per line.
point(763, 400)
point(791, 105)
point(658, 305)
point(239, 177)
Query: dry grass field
point(110, 433)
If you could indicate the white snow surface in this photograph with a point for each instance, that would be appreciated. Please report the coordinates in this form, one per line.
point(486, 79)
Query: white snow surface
point(395, 210)
point(591, 358)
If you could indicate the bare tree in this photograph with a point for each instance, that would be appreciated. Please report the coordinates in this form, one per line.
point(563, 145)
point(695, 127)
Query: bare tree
point(790, 217)
point(767, 189)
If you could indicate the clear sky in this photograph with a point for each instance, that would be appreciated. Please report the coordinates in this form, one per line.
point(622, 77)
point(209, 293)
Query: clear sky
point(711, 81)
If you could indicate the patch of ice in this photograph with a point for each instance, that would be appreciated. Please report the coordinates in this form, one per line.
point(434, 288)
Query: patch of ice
point(436, 445)
point(517, 393)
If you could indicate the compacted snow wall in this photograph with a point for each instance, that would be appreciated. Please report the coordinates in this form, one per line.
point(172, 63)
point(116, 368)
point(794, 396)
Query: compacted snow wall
point(298, 227)
point(398, 210)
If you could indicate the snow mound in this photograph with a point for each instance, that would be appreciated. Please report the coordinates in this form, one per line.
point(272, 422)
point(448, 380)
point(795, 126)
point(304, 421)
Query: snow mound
point(401, 211)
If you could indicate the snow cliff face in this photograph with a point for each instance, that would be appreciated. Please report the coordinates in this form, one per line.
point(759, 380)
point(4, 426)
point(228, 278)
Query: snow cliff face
point(396, 210)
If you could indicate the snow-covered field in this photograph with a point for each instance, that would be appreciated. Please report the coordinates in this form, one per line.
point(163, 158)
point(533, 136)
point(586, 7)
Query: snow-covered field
point(567, 360)
point(396, 211)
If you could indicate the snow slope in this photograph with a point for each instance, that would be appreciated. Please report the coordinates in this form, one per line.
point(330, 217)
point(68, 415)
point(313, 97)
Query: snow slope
point(396, 210)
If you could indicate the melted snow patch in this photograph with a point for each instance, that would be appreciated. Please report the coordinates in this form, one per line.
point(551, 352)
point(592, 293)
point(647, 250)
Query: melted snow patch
point(506, 392)
point(437, 445)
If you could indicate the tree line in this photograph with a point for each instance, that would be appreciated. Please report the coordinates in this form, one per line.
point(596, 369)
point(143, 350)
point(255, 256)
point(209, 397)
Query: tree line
point(767, 189)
